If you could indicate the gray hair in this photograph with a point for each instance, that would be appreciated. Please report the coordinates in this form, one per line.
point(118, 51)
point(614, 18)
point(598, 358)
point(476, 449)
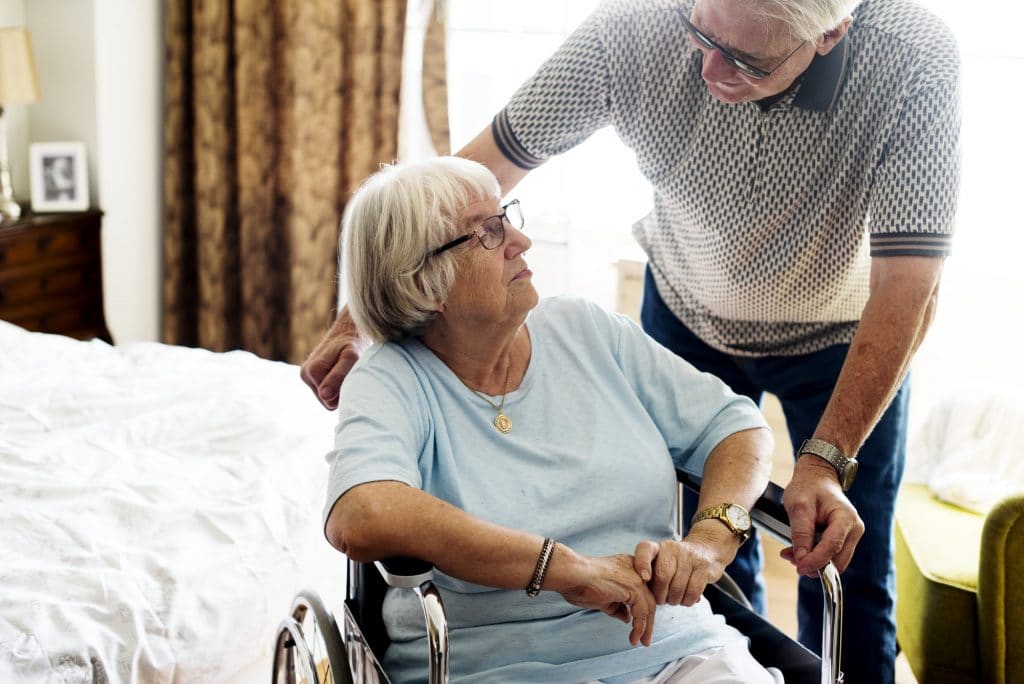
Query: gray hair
point(806, 19)
point(391, 225)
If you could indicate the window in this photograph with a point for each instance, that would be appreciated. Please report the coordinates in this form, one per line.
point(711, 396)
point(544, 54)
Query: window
point(580, 206)
point(979, 329)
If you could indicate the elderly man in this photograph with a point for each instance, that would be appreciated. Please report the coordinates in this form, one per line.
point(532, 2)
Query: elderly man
point(804, 160)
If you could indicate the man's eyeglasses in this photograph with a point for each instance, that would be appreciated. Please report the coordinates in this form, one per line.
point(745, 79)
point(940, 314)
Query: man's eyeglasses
point(491, 232)
point(745, 68)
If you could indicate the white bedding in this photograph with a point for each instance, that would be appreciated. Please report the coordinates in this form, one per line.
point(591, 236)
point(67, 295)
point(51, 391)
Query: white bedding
point(159, 508)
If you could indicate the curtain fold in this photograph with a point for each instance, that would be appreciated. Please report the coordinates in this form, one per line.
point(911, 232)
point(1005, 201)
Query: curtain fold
point(435, 78)
point(276, 110)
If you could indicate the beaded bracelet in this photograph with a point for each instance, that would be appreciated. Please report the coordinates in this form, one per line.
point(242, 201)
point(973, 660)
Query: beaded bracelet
point(539, 572)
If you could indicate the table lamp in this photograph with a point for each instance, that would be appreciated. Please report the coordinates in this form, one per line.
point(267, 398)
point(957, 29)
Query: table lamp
point(18, 85)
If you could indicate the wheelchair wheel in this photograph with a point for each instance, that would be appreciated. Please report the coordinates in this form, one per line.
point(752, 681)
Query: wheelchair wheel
point(309, 648)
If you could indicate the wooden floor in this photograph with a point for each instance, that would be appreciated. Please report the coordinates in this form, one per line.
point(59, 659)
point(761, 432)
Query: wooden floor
point(779, 576)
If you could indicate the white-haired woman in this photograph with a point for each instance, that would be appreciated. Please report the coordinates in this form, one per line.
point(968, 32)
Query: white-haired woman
point(526, 449)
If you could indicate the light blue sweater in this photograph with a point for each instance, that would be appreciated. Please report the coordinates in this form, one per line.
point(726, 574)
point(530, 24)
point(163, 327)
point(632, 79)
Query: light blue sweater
point(599, 420)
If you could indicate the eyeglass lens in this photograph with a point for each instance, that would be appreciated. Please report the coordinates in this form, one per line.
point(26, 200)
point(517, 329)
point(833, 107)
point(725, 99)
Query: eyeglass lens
point(748, 69)
point(493, 229)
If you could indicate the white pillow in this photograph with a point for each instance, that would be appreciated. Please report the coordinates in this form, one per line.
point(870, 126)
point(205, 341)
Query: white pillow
point(973, 444)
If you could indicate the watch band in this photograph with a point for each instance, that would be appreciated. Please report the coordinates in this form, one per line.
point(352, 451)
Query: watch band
point(721, 513)
point(845, 467)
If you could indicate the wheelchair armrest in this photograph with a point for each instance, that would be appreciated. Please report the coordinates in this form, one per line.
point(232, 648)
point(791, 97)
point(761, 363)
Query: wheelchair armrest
point(403, 572)
point(416, 574)
point(369, 582)
point(768, 513)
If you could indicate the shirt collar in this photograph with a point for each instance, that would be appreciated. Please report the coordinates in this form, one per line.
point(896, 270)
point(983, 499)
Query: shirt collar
point(823, 79)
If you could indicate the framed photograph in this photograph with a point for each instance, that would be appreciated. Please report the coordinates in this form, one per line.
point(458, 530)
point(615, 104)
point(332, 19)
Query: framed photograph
point(59, 175)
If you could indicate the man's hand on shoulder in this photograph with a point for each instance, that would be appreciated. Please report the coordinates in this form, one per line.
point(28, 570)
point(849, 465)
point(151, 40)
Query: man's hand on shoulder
point(332, 359)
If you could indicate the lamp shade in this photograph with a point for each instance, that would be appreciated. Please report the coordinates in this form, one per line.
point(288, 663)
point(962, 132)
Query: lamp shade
point(18, 81)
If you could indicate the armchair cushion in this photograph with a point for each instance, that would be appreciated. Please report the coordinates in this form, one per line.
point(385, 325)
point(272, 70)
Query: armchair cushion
point(960, 605)
point(937, 552)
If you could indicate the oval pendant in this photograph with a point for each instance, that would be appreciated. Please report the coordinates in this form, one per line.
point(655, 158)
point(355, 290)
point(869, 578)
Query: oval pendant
point(503, 423)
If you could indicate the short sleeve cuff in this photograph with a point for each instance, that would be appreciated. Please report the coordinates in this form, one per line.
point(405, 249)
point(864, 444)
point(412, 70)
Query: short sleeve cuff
point(911, 244)
point(510, 145)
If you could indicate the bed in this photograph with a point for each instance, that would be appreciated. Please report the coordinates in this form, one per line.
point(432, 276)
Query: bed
point(159, 508)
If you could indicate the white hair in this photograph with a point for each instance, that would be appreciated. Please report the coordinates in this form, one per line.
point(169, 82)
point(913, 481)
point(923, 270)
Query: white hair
point(807, 19)
point(390, 228)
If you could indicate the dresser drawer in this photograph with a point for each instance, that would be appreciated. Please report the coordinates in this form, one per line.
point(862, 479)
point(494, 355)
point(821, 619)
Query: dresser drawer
point(47, 243)
point(29, 285)
point(51, 274)
point(42, 307)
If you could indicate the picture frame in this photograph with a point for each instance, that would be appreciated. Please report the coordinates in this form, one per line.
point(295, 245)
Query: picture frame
point(59, 176)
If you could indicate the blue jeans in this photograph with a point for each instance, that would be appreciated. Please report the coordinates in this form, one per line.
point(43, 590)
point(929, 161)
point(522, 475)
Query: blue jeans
point(803, 385)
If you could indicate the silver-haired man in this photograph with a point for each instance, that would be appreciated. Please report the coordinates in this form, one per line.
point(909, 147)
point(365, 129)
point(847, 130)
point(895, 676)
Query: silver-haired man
point(804, 160)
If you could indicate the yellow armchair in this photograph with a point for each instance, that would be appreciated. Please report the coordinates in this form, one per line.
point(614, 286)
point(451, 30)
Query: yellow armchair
point(960, 605)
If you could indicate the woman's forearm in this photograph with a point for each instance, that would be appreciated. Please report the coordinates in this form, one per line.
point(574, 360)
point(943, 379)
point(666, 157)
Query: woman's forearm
point(746, 453)
point(384, 519)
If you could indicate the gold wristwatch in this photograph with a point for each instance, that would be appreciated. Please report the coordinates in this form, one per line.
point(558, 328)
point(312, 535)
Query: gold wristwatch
point(733, 516)
point(846, 467)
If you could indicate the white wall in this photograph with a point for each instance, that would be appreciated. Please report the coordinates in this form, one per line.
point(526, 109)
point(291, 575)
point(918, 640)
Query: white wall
point(129, 125)
point(12, 13)
point(63, 40)
point(100, 76)
point(973, 346)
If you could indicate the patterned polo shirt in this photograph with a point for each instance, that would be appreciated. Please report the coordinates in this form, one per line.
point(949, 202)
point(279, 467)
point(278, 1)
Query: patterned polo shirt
point(765, 216)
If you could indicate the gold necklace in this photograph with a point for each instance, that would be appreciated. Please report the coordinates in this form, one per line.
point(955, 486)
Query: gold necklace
point(501, 422)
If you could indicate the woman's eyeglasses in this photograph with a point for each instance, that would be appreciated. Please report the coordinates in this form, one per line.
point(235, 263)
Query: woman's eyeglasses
point(745, 68)
point(491, 232)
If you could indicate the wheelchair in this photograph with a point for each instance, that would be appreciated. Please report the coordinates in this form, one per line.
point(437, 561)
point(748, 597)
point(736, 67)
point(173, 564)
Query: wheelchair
point(314, 647)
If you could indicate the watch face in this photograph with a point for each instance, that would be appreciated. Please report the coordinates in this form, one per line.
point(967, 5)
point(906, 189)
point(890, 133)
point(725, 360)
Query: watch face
point(739, 518)
point(849, 472)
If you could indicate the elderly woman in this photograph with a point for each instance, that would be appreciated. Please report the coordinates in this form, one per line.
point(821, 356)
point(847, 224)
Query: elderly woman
point(527, 449)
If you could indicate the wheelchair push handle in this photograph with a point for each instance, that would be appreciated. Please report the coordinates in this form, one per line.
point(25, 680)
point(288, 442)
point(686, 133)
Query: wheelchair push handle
point(831, 625)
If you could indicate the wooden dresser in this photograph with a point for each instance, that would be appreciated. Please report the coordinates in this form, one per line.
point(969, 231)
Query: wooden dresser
point(50, 274)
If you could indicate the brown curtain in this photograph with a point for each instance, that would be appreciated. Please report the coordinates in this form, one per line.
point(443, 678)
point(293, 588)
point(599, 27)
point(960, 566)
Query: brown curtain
point(275, 111)
point(435, 78)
